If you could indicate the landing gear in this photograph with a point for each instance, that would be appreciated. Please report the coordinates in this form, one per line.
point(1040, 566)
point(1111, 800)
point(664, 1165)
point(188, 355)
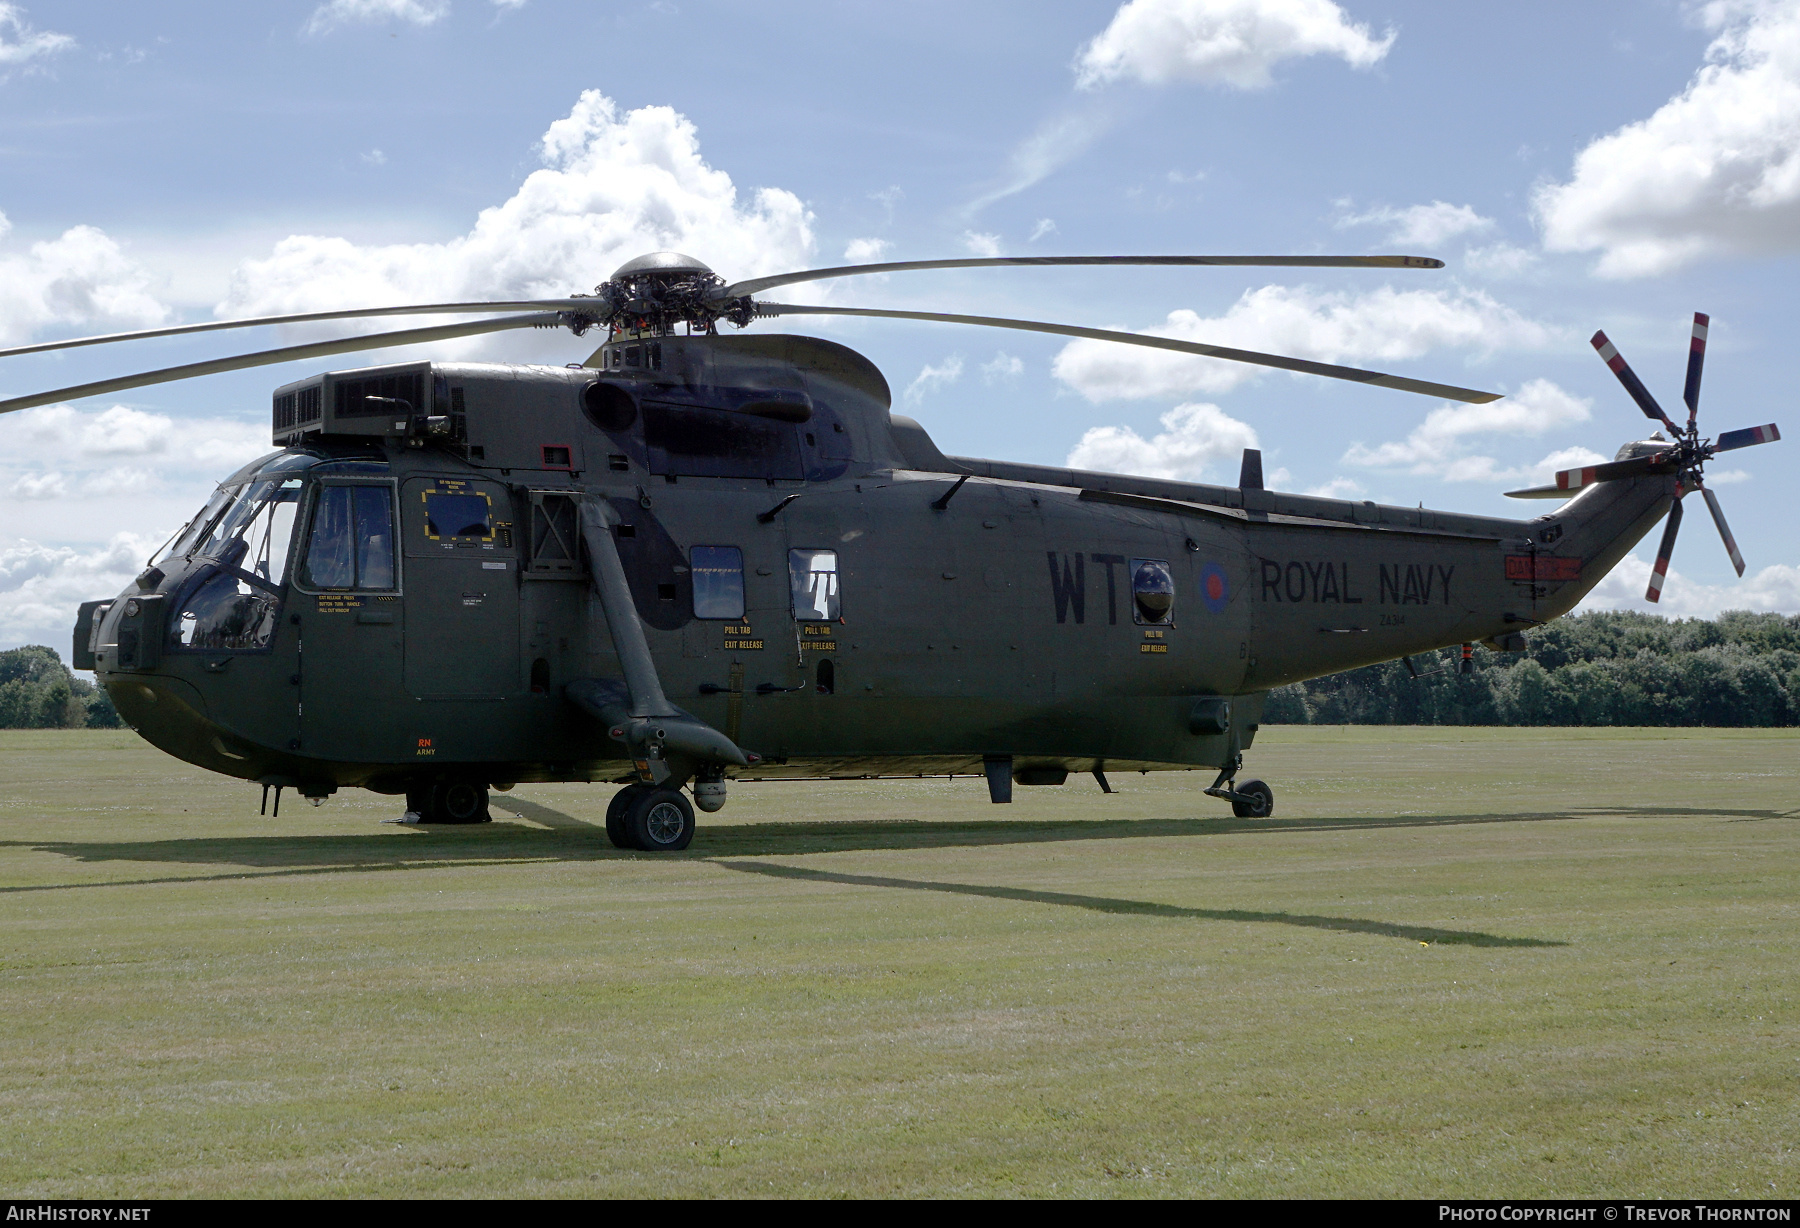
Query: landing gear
point(1251, 800)
point(1254, 800)
point(449, 801)
point(615, 815)
point(650, 819)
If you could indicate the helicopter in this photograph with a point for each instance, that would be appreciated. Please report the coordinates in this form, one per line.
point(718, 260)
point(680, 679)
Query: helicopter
point(697, 557)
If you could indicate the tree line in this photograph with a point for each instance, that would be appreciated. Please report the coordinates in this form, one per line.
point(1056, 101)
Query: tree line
point(37, 691)
point(1608, 667)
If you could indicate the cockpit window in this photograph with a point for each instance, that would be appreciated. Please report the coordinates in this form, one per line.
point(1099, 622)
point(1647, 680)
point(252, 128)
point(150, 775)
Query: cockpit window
point(352, 541)
point(255, 532)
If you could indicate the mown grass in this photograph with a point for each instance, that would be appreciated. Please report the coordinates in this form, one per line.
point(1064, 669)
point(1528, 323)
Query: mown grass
point(1458, 963)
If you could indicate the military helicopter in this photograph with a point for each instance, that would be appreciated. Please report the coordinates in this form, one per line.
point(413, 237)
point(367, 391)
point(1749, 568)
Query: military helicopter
point(697, 557)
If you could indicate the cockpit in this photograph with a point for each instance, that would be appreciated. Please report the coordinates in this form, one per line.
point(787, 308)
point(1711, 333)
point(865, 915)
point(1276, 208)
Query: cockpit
point(236, 550)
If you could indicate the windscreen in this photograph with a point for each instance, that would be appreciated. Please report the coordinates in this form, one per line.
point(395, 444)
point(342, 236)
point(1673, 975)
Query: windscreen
point(256, 530)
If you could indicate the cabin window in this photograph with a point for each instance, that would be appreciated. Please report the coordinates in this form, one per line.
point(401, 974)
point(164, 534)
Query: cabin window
point(718, 573)
point(458, 517)
point(352, 541)
point(813, 577)
point(1152, 592)
point(688, 440)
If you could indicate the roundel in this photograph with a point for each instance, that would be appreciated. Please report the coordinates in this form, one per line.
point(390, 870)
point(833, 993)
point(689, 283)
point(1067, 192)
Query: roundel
point(1215, 587)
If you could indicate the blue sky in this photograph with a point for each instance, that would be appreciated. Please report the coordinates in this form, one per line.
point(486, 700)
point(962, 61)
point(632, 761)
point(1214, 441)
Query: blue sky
point(1578, 167)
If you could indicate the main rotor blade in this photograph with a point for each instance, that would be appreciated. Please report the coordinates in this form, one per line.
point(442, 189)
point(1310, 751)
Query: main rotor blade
point(263, 358)
point(1612, 471)
point(757, 285)
point(1353, 374)
point(1718, 515)
point(417, 309)
point(1690, 392)
point(1747, 437)
point(1660, 572)
point(1609, 353)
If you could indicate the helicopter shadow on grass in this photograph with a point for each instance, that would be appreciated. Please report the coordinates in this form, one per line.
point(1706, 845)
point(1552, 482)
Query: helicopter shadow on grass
point(556, 837)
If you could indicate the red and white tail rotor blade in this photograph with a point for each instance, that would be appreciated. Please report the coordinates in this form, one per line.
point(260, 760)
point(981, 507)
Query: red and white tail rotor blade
point(1718, 515)
point(1575, 479)
point(1690, 391)
point(1609, 353)
point(1660, 572)
point(1748, 437)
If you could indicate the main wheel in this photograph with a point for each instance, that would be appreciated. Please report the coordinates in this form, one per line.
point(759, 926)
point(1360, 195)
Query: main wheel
point(459, 801)
point(616, 830)
point(1260, 803)
point(659, 820)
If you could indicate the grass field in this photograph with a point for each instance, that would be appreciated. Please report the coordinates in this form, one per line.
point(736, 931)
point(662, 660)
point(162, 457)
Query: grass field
point(1457, 963)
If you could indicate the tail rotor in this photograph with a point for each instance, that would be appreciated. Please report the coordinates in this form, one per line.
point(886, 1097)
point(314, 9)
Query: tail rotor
point(1686, 454)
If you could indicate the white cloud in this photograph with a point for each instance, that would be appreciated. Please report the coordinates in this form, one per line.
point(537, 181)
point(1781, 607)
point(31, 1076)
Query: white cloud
point(1437, 443)
point(981, 244)
point(375, 158)
point(81, 278)
point(1044, 227)
point(1058, 141)
point(1193, 437)
point(20, 43)
point(1714, 169)
point(934, 378)
point(1278, 479)
point(1337, 488)
point(1499, 260)
point(40, 486)
point(1383, 324)
point(509, 4)
point(1221, 42)
point(40, 585)
point(350, 12)
point(1422, 225)
point(614, 186)
point(866, 251)
point(43, 449)
point(1774, 588)
point(1003, 366)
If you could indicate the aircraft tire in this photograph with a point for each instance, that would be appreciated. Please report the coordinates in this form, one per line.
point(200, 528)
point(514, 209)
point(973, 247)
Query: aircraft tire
point(660, 820)
point(1262, 804)
point(459, 801)
point(616, 830)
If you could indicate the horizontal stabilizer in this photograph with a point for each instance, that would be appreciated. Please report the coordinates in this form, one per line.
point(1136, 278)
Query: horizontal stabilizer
point(1542, 492)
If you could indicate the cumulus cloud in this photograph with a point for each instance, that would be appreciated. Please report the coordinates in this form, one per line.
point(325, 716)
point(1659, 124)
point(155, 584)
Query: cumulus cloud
point(1499, 260)
point(82, 277)
point(1775, 588)
point(1003, 366)
point(1232, 43)
point(1714, 169)
point(41, 585)
point(1422, 225)
point(934, 378)
point(614, 185)
point(866, 251)
point(19, 43)
point(1538, 407)
point(981, 244)
point(1193, 437)
point(359, 12)
point(1337, 488)
point(1383, 324)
